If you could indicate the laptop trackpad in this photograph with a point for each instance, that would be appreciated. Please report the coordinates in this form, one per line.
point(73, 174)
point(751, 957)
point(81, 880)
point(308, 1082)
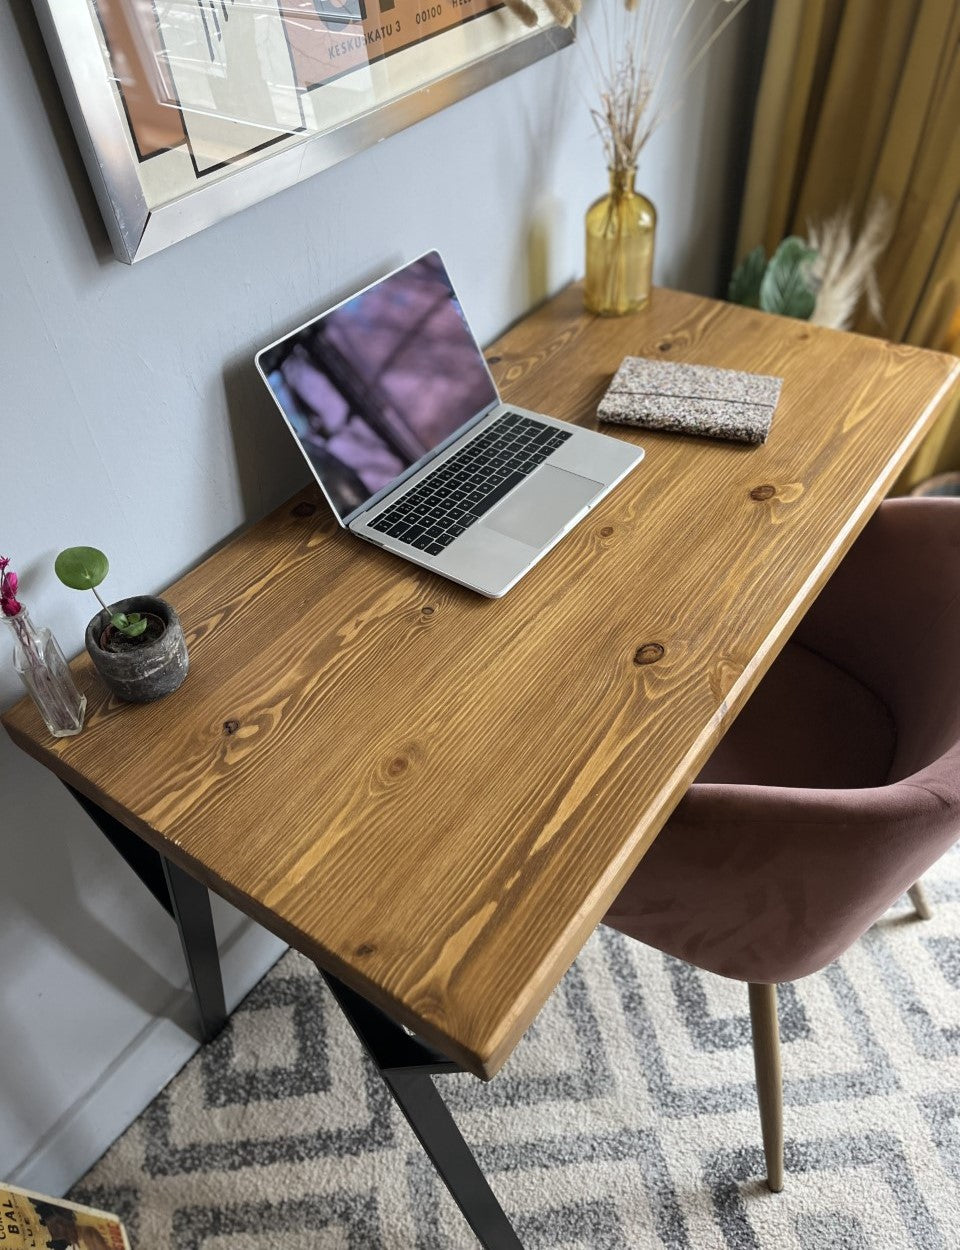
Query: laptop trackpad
point(539, 509)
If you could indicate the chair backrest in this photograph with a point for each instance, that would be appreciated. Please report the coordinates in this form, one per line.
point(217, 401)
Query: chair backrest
point(890, 616)
point(768, 883)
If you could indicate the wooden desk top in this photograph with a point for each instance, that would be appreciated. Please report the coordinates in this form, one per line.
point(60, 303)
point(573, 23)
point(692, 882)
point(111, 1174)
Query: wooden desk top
point(435, 795)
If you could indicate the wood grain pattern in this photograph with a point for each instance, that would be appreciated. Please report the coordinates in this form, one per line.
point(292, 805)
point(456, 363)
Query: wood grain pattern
point(435, 795)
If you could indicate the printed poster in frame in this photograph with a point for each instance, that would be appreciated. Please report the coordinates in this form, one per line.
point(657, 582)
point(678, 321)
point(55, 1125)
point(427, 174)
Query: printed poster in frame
point(189, 110)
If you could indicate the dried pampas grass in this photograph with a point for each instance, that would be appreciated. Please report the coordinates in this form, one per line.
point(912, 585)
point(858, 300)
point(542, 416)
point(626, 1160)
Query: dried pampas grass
point(562, 11)
point(845, 270)
point(528, 15)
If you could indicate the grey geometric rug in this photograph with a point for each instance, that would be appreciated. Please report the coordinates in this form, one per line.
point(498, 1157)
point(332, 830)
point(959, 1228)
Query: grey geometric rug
point(625, 1120)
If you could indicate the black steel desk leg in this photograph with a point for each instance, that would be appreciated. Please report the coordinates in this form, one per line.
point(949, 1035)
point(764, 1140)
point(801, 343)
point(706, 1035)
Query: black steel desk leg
point(405, 1062)
point(427, 1114)
point(182, 898)
point(190, 903)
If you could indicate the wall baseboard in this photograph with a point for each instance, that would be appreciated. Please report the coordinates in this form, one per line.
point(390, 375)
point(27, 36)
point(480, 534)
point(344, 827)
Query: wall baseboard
point(98, 1117)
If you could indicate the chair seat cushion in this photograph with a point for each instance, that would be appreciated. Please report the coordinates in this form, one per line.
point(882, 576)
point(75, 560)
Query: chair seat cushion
point(810, 725)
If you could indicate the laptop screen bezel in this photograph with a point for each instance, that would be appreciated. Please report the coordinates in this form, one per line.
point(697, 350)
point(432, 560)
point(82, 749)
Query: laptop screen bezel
point(344, 520)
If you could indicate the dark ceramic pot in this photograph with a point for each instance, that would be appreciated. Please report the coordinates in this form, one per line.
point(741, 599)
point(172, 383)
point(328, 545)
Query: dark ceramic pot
point(148, 670)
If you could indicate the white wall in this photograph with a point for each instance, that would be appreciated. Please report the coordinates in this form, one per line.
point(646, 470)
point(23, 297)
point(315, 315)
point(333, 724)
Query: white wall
point(132, 420)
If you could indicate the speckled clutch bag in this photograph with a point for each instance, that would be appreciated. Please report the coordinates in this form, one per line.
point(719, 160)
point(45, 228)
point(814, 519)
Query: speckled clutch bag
point(691, 399)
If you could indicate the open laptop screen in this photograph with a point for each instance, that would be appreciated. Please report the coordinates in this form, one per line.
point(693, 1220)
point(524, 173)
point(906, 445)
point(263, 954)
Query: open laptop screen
point(377, 383)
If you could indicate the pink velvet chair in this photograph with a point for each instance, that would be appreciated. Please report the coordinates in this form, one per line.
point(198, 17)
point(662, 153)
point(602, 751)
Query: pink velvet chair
point(833, 791)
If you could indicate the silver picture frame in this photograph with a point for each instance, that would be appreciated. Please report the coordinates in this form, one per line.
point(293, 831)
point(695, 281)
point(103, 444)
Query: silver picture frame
point(103, 131)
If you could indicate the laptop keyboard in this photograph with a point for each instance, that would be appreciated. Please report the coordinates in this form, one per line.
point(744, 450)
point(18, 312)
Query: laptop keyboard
point(441, 506)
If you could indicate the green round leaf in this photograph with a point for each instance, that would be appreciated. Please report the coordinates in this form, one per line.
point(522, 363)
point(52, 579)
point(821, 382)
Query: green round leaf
point(136, 627)
point(787, 285)
point(81, 568)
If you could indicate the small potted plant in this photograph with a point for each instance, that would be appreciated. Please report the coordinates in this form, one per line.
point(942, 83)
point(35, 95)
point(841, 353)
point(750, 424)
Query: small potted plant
point(137, 644)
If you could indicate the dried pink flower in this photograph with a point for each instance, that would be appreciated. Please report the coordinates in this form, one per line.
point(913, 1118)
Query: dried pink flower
point(9, 605)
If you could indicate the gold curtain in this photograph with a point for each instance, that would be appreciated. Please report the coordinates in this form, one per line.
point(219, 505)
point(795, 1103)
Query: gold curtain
point(860, 100)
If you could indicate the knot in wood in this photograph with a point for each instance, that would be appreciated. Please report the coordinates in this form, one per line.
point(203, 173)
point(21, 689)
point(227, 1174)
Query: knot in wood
point(494, 360)
point(231, 726)
point(365, 948)
point(427, 611)
point(649, 653)
point(398, 766)
point(763, 492)
point(664, 346)
point(606, 531)
point(304, 509)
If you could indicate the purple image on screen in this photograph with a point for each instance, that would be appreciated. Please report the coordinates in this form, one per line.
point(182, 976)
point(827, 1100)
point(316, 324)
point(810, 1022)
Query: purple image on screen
point(373, 386)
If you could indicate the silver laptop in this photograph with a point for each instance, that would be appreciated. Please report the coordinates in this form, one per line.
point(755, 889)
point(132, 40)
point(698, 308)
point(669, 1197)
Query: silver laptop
point(391, 402)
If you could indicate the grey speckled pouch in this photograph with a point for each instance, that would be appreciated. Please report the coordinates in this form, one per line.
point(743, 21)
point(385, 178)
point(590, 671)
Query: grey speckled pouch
point(691, 399)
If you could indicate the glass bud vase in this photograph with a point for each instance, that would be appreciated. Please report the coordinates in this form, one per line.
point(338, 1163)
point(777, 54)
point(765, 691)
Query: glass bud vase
point(43, 670)
point(619, 262)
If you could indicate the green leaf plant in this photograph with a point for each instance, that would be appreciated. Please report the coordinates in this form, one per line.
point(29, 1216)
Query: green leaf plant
point(84, 568)
point(784, 284)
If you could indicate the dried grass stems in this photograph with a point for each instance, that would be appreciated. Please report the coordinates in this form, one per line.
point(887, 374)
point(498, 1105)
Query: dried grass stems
point(637, 47)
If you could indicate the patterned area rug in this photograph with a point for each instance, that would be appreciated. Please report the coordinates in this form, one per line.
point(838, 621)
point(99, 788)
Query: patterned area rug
point(625, 1119)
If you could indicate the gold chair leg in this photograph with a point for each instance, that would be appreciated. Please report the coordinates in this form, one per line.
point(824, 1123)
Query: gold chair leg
point(766, 1058)
point(918, 897)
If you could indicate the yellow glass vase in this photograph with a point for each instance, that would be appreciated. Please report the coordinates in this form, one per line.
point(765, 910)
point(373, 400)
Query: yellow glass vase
point(620, 230)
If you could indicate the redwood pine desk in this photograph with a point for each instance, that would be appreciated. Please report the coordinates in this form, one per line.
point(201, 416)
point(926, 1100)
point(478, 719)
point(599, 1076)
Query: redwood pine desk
point(436, 796)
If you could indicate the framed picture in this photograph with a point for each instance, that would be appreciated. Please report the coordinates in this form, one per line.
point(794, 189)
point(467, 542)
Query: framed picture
point(189, 110)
